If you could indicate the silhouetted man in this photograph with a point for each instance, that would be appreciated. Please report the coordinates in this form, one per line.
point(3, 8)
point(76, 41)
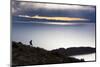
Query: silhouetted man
point(31, 42)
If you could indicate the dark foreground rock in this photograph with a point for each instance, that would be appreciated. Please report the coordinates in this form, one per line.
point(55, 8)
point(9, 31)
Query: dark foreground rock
point(27, 55)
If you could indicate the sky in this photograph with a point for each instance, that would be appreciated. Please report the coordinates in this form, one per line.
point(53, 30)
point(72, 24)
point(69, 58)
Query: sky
point(49, 11)
point(52, 26)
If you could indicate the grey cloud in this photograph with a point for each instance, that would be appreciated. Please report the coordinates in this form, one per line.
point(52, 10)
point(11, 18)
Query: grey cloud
point(31, 9)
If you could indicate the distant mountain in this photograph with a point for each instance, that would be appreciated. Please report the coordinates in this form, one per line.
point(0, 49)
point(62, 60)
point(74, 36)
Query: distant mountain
point(74, 51)
point(80, 50)
point(23, 54)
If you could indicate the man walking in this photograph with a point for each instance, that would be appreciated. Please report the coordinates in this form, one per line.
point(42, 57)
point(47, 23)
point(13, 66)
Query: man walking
point(31, 42)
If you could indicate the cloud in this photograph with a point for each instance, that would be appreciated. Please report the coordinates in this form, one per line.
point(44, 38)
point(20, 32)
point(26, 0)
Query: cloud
point(61, 23)
point(55, 11)
point(55, 18)
point(24, 6)
point(54, 6)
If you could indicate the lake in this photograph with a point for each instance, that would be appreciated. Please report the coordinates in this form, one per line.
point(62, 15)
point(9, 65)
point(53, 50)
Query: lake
point(87, 57)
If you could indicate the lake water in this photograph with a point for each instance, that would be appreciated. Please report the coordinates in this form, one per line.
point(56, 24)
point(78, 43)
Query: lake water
point(87, 57)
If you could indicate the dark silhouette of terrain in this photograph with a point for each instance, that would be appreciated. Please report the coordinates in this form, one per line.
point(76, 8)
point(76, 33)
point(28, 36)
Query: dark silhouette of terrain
point(23, 54)
point(80, 50)
point(75, 50)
